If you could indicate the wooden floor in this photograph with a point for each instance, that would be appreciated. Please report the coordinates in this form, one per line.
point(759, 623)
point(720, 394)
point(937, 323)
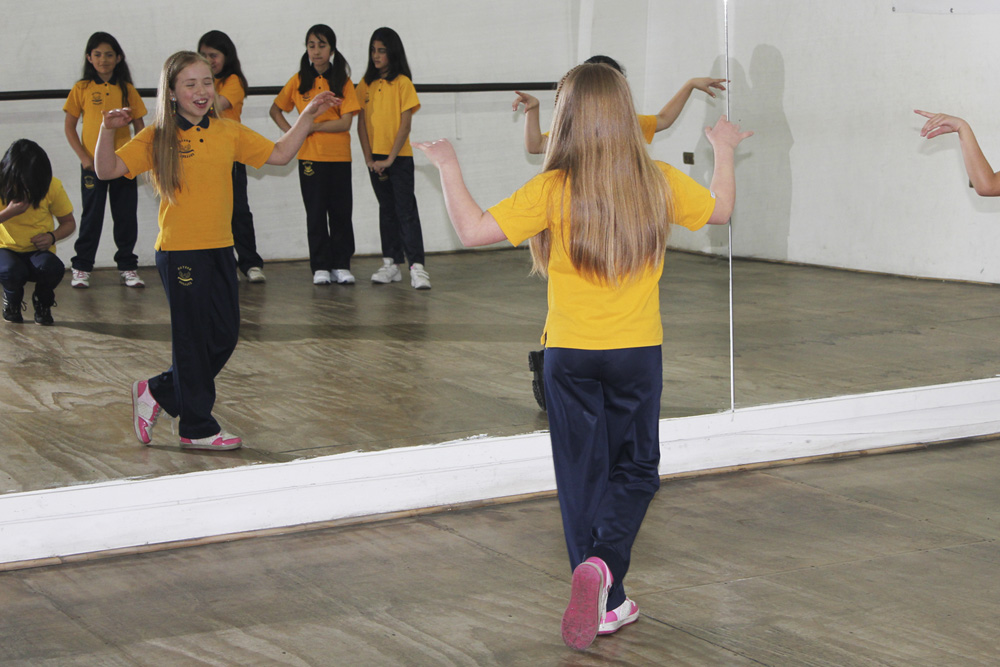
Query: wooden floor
point(325, 370)
point(886, 560)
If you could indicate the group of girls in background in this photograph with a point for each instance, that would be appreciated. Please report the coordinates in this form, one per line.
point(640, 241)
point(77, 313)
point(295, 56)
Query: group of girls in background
point(387, 101)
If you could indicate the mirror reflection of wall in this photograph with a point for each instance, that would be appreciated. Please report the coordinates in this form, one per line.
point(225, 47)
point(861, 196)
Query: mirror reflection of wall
point(838, 177)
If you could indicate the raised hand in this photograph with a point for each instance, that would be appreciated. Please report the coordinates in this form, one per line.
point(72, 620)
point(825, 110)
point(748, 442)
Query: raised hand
point(321, 103)
point(530, 102)
point(439, 151)
point(706, 84)
point(116, 118)
point(725, 133)
point(938, 123)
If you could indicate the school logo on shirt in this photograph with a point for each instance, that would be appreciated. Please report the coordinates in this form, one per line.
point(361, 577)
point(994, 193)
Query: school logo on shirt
point(97, 99)
point(307, 168)
point(184, 277)
point(186, 150)
point(88, 182)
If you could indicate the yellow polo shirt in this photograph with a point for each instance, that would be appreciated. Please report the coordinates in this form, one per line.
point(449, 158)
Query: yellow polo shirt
point(383, 102)
point(321, 146)
point(232, 90)
point(16, 233)
point(89, 98)
point(202, 217)
point(584, 314)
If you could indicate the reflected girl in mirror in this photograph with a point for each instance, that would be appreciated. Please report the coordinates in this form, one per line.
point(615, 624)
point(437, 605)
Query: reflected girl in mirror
point(29, 198)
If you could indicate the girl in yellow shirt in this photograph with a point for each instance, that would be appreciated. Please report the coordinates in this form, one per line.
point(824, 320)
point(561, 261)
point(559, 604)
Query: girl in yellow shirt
point(389, 100)
point(189, 153)
point(325, 158)
point(598, 217)
point(106, 84)
point(29, 198)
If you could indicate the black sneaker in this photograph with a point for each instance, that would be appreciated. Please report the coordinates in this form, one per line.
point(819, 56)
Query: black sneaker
point(43, 314)
point(12, 310)
point(536, 362)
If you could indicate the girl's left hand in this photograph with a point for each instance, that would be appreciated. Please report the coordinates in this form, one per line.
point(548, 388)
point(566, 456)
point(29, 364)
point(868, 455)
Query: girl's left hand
point(116, 118)
point(322, 102)
point(725, 133)
point(439, 151)
point(42, 241)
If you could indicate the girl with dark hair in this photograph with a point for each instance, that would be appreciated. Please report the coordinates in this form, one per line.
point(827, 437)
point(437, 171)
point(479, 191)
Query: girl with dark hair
point(230, 90)
point(29, 198)
point(598, 217)
point(194, 249)
point(389, 101)
point(325, 157)
point(106, 84)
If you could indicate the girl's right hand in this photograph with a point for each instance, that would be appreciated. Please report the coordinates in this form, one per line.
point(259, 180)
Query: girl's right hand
point(725, 134)
point(88, 163)
point(439, 151)
point(527, 100)
point(116, 118)
point(321, 103)
point(938, 123)
point(15, 207)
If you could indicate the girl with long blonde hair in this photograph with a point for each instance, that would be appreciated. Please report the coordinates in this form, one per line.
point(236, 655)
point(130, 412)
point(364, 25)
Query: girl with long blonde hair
point(189, 153)
point(598, 217)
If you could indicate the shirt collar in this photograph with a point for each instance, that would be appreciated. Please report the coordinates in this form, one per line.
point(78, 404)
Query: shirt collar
point(113, 81)
point(328, 74)
point(184, 124)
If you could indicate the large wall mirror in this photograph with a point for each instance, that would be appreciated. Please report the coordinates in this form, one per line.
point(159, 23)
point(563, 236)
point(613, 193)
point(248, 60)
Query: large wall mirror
point(863, 261)
point(65, 414)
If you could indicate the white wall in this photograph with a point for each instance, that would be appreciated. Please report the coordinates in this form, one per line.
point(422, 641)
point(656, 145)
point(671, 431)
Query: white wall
point(837, 174)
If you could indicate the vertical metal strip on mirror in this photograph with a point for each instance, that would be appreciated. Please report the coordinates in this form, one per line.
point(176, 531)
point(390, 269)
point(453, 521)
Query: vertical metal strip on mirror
point(732, 333)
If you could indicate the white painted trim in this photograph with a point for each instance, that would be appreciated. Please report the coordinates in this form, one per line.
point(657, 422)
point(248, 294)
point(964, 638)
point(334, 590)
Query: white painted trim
point(130, 513)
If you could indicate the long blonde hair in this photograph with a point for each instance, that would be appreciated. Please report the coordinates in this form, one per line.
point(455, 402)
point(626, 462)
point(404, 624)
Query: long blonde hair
point(166, 175)
point(619, 213)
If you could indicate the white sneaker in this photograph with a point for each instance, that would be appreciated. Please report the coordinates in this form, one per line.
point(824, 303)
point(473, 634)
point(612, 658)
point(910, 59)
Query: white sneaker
point(256, 275)
point(321, 278)
point(343, 277)
point(389, 273)
point(419, 278)
point(131, 279)
point(81, 279)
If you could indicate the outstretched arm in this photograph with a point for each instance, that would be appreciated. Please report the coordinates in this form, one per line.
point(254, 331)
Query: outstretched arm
point(107, 165)
point(291, 141)
point(724, 137)
point(534, 141)
point(669, 113)
point(981, 174)
point(474, 226)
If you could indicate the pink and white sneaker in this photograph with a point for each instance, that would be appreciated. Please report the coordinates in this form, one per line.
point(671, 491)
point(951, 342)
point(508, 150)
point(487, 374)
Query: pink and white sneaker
point(588, 598)
point(220, 441)
point(145, 410)
point(627, 612)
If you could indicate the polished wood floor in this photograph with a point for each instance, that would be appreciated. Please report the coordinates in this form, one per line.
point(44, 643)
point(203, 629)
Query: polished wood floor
point(881, 560)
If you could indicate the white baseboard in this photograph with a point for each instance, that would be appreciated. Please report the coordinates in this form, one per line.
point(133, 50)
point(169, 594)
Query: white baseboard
point(133, 513)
